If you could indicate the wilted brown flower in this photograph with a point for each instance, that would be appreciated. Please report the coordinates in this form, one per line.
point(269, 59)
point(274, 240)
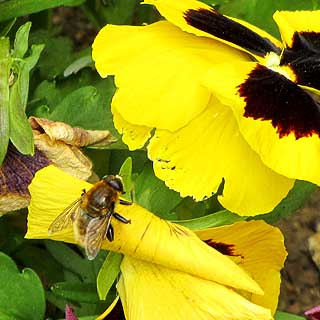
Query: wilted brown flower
point(55, 143)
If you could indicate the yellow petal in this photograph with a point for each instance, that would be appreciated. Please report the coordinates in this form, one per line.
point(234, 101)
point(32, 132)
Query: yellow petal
point(154, 292)
point(175, 12)
point(195, 159)
point(157, 70)
point(133, 136)
point(290, 22)
point(109, 309)
point(147, 237)
point(259, 249)
point(291, 157)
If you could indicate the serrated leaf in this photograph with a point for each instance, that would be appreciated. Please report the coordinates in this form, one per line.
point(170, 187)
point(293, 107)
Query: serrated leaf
point(216, 219)
point(21, 40)
point(5, 65)
point(152, 194)
point(76, 291)
point(287, 316)
point(21, 294)
point(17, 8)
point(295, 200)
point(108, 273)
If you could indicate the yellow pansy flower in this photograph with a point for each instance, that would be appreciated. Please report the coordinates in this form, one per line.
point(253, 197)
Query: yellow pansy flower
point(228, 101)
point(220, 273)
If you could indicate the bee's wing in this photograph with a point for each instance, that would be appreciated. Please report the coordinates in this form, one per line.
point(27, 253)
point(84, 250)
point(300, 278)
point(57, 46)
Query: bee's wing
point(64, 219)
point(95, 233)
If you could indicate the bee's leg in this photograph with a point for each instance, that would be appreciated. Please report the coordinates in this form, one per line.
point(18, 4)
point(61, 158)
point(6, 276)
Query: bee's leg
point(83, 192)
point(125, 202)
point(121, 218)
point(110, 233)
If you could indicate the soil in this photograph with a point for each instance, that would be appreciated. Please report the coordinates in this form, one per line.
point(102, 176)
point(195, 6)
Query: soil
point(73, 23)
point(300, 289)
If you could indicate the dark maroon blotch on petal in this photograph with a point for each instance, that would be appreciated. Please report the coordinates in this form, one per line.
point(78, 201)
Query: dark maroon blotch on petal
point(303, 57)
point(224, 248)
point(271, 96)
point(116, 313)
point(220, 26)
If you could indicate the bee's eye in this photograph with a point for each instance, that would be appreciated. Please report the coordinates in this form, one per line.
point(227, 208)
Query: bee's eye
point(115, 182)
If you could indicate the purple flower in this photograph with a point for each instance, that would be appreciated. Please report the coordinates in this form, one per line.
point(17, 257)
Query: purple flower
point(70, 315)
point(313, 313)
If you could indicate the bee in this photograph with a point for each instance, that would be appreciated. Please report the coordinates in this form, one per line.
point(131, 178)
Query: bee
point(91, 214)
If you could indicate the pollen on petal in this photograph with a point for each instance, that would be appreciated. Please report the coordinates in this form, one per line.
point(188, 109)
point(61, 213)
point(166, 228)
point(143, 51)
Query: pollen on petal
point(271, 96)
point(220, 26)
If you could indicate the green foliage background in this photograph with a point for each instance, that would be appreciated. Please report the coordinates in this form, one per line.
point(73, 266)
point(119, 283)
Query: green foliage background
point(58, 82)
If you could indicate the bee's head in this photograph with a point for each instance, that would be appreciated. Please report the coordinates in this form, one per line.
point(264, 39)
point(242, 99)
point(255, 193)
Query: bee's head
point(115, 182)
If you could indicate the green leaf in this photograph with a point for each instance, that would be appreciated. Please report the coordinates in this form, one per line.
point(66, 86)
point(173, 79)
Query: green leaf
point(70, 260)
point(59, 302)
point(216, 219)
point(152, 194)
point(17, 8)
point(118, 11)
point(45, 96)
point(108, 273)
point(20, 131)
point(21, 41)
point(189, 209)
point(31, 61)
point(125, 173)
point(83, 108)
point(5, 65)
point(139, 159)
point(21, 294)
point(56, 56)
point(11, 237)
point(76, 291)
point(146, 15)
point(6, 29)
point(287, 316)
point(294, 200)
point(259, 12)
point(41, 261)
point(77, 65)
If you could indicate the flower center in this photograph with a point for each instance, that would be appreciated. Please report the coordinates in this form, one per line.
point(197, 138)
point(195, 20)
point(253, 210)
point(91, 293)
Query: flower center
point(272, 61)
